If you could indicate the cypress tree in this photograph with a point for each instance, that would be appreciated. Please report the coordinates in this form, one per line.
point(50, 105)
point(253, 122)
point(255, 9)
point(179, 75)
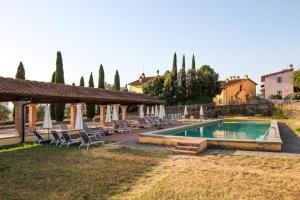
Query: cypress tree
point(90, 108)
point(174, 69)
point(101, 82)
point(117, 81)
point(81, 83)
point(52, 106)
point(59, 78)
point(183, 87)
point(20, 71)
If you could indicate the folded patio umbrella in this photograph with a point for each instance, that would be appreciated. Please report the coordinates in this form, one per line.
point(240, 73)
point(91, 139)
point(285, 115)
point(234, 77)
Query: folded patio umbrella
point(108, 114)
point(156, 111)
point(47, 124)
point(148, 112)
point(152, 111)
point(185, 113)
point(160, 114)
point(201, 111)
point(163, 111)
point(115, 114)
point(141, 113)
point(79, 120)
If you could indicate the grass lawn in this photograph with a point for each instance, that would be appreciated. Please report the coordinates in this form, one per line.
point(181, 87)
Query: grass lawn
point(221, 177)
point(110, 172)
point(49, 172)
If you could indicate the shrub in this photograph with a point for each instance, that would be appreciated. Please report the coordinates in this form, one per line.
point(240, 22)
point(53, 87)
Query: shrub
point(275, 97)
point(278, 113)
point(294, 96)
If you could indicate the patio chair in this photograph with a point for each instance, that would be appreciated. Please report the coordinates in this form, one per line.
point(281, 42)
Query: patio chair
point(56, 138)
point(67, 140)
point(88, 141)
point(97, 132)
point(143, 124)
point(40, 138)
point(123, 128)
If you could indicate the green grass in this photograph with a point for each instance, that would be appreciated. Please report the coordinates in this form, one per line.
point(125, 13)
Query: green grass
point(50, 172)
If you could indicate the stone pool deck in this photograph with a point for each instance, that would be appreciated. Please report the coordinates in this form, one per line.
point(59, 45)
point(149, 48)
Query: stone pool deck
point(291, 143)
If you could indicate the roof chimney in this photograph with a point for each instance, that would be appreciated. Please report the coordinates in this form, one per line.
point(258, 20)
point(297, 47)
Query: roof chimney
point(157, 72)
point(143, 75)
point(246, 76)
point(291, 66)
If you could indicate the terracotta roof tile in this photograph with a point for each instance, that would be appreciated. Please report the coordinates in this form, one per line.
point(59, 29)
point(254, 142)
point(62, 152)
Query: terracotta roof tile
point(43, 92)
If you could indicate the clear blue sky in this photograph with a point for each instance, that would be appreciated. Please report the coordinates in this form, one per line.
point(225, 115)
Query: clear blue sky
point(235, 37)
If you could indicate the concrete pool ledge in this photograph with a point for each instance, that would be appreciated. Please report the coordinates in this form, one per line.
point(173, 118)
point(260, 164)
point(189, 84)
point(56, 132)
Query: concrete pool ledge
point(272, 141)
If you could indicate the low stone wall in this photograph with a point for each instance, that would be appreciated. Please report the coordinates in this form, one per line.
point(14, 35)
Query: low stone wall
point(291, 110)
point(213, 111)
point(265, 108)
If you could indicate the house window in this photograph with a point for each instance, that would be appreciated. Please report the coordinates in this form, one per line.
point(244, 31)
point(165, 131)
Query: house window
point(241, 87)
point(279, 79)
point(279, 93)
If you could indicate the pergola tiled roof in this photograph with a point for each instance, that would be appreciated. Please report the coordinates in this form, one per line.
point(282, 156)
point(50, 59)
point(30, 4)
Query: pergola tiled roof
point(42, 92)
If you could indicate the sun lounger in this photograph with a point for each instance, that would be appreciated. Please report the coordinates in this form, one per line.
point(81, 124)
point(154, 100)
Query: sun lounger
point(88, 141)
point(143, 124)
point(123, 128)
point(56, 138)
point(97, 132)
point(67, 140)
point(40, 138)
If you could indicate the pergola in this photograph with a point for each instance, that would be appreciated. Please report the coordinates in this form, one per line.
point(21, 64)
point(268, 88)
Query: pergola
point(29, 93)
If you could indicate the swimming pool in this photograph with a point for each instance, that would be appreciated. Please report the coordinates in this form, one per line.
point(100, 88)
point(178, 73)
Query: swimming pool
point(243, 134)
point(232, 130)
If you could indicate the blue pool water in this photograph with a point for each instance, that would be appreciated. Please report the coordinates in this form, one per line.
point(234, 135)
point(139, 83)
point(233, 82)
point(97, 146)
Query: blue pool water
point(240, 130)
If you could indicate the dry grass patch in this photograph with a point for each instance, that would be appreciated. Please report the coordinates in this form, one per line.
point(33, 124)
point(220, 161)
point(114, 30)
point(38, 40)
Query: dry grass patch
point(48, 172)
point(221, 177)
point(293, 124)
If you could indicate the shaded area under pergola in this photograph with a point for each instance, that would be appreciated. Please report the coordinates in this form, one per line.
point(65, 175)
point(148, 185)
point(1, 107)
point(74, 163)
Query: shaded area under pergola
point(29, 93)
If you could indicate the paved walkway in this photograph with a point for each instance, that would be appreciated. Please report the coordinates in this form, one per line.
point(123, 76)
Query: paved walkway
point(291, 142)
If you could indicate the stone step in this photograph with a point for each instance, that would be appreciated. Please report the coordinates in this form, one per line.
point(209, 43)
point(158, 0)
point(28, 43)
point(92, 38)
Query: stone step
point(188, 148)
point(184, 152)
point(191, 144)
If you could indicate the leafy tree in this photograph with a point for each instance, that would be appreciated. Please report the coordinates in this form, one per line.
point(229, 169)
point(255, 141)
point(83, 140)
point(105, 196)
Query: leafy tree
point(208, 83)
point(154, 87)
point(52, 106)
point(101, 82)
point(81, 83)
point(20, 71)
point(4, 112)
point(59, 78)
point(90, 108)
point(296, 78)
point(117, 81)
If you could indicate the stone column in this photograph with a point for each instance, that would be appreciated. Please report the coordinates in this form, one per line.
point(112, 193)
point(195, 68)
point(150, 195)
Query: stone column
point(102, 114)
point(32, 115)
point(73, 113)
point(123, 112)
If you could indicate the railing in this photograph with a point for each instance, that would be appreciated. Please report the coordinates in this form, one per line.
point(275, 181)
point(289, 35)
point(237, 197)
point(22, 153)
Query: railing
point(268, 131)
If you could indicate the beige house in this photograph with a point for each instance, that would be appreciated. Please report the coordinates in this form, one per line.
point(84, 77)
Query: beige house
point(236, 90)
point(137, 85)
